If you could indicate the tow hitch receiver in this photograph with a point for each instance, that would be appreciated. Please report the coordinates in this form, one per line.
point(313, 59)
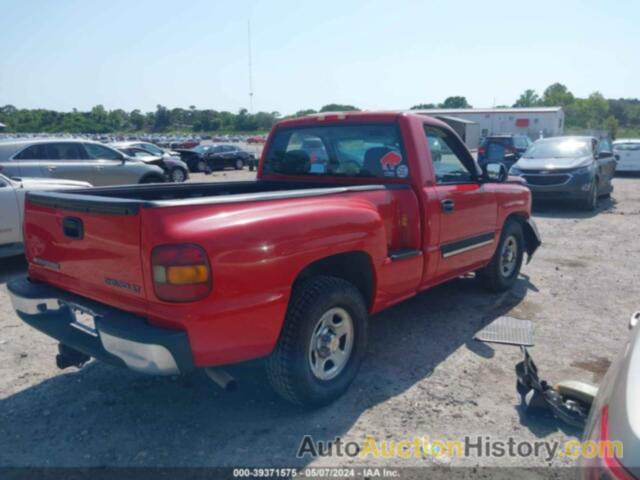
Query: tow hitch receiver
point(69, 357)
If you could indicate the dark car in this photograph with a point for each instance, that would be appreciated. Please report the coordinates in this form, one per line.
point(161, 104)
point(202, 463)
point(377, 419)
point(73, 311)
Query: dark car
point(205, 158)
point(505, 149)
point(219, 157)
point(195, 157)
point(568, 168)
point(175, 169)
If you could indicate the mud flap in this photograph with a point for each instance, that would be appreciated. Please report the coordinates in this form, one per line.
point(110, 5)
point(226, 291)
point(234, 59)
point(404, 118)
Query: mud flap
point(532, 237)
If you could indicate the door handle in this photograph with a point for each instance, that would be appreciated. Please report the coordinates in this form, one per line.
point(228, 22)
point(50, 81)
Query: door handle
point(448, 205)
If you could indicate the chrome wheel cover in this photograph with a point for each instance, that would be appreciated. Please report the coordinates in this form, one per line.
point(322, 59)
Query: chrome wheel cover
point(331, 344)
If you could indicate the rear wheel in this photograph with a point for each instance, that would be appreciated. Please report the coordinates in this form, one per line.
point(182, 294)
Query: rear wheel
point(502, 272)
point(178, 175)
point(322, 343)
point(201, 166)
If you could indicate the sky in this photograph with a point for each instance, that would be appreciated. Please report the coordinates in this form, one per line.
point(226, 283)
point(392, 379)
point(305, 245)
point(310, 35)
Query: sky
point(374, 54)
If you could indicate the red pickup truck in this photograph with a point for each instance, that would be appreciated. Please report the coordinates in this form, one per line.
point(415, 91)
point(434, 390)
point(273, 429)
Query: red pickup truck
point(166, 278)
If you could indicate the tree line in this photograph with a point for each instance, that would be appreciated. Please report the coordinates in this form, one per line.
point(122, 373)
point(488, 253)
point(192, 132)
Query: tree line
point(593, 112)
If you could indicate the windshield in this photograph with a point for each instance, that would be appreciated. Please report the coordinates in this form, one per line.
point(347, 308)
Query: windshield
point(338, 150)
point(559, 148)
point(150, 147)
point(202, 148)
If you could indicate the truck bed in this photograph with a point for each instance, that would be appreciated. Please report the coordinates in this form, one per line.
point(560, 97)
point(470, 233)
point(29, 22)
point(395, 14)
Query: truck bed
point(126, 200)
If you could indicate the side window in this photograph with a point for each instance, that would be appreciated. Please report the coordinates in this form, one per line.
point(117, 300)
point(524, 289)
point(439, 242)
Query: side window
point(65, 151)
point(521, 142)
point(446, 156)
point(98, 152)
point(34, 152)
point(604, 146)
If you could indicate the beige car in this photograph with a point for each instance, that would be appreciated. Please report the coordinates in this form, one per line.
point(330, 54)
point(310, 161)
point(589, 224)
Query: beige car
point(12, 195)
point(73, 159)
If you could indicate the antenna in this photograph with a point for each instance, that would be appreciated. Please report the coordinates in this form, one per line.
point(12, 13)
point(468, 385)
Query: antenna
point(250, 69)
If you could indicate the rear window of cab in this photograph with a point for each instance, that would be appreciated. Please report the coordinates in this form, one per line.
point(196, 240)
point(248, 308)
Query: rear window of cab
point(373, 151)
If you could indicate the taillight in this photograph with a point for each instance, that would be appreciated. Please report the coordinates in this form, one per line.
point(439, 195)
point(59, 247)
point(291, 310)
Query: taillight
point(605, 465)
point(482, 150)
point(181, 273)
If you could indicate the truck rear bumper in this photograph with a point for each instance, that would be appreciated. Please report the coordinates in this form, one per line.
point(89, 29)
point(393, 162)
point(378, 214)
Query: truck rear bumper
point(119, 338)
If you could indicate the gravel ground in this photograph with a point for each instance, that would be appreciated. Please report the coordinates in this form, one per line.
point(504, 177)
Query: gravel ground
point(424, 375)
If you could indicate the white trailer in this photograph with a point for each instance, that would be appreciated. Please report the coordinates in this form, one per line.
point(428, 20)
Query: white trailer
point(533, 122)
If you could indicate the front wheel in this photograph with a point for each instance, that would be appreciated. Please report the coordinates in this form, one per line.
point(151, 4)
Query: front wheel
point(322, 343)
point(590, 203)
point(502, 272)
point(239, 164)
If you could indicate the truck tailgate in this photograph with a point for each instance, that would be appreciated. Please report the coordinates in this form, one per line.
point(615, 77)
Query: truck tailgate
point(89, 252)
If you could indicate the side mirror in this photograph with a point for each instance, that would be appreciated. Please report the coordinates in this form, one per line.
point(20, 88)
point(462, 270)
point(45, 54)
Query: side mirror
point(495, 172)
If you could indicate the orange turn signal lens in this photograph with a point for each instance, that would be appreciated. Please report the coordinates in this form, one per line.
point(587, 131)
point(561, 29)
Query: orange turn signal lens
point(187, 274)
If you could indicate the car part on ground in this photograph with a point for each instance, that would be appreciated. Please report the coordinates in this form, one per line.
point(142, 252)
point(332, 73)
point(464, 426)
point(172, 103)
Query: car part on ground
point(568, 401)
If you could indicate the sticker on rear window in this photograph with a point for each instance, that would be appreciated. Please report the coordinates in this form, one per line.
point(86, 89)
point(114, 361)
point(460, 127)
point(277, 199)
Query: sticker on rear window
point(389, 162)
point(402, 171)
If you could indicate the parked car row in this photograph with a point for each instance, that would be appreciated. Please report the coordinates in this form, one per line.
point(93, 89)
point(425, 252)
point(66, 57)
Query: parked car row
point(174, 169)
point(82, 160)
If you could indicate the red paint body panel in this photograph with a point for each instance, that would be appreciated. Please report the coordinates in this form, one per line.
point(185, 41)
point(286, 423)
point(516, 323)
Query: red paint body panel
point(257, 249)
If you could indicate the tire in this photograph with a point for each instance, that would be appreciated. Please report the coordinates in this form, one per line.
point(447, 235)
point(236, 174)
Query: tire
point(152, 179)
point(201, 166)
point(238, 164)
point(178, 175)
point(290, 368)
point(590, 203)
point(496, 276)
